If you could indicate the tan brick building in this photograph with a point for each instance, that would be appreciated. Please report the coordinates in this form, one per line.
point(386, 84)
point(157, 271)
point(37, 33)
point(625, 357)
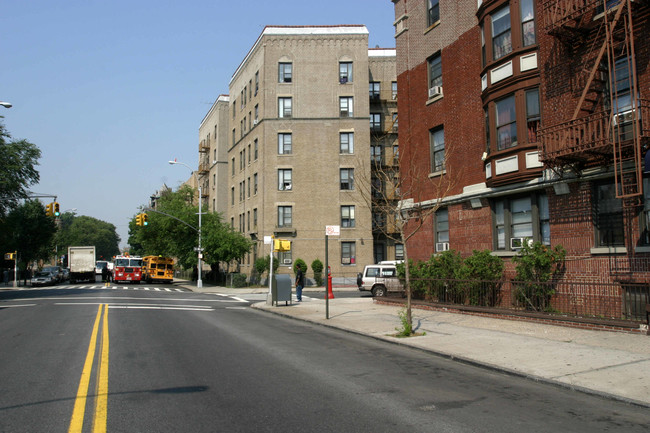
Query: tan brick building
point(213, 156)
point(298, 138)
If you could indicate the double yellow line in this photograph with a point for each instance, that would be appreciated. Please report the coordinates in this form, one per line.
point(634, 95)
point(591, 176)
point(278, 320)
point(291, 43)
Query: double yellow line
point(101, 395)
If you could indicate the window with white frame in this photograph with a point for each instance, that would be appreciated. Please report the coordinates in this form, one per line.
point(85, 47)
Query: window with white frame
point(284, 143)
point(521, 217)
point(284, 107)
point(348, 253)
point(284, 179)
point(347, 178)
point(533, 117)
point(393, 87)
point(375, 122)
point(346, 141)
point(442, 229)
point(437, 149)
point(346, 106)
point(399, 251)
point(285, 215)
point(347, 216)
point(345, 72)
point(285, 72)
point(501, 33)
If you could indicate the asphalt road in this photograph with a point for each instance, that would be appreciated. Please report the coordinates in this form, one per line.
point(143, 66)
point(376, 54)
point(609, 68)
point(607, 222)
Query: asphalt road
point(186, 362)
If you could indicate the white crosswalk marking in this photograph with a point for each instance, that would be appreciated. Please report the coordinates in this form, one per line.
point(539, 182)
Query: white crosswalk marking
point(102, 287)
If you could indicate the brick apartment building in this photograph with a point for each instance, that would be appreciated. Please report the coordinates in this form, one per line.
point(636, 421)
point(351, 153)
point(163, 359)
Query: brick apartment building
point(288, 145)
point(534, 113)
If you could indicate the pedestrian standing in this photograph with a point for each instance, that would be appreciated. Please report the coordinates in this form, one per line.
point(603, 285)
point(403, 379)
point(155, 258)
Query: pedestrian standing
point(106, 276)
point(5, 277)
point(300, 283)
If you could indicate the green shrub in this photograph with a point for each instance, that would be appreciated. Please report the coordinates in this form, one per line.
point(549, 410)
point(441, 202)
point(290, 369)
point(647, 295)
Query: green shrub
point(317, 267)
point(535, 266)
point(483, 273)
point(238, 280)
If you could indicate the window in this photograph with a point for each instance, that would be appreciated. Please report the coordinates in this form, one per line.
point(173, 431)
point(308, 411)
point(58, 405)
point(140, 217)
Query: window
point(346, 140)
point(506, 123)
point(521, 217)
point(399, 252)
point(374, 90)
point(284, 74)
point(435, 71)
point(348, 253)
point(248, 189)
point(347, 216)
point(255, 218)
point(232, 196)
point(347, 178)
point(644, 224)
point(256, 144)
point(257, 82)
point(532, 114)
point(249, 153)
point(442, 227)
point(483, 55)
point(528, 22)
point(437, 149)
point(622, 104)
point(608, 216)
point(433, 12)
point(284, 143)
point(376, 154)
point(284, 107)
point(284, 179)
point(501, 38)
point(394, 116)
point(393, 87)
point(346, 106)
point(255, 183)
point(233, 166)
point(345, 72)
point(375, 122)
point(284, 216)
point(257, 113)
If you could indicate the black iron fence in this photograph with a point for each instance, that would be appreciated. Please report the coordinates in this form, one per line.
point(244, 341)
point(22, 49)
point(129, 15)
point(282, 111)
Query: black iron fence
point(620, 301)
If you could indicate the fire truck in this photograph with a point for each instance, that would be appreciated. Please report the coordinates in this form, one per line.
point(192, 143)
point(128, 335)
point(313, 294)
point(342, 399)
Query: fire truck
point(127, 269)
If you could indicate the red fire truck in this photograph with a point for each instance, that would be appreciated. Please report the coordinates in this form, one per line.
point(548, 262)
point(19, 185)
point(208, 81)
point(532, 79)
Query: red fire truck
point(127, 269)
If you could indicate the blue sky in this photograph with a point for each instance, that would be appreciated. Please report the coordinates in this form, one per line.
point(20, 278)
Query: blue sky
point(112, 90)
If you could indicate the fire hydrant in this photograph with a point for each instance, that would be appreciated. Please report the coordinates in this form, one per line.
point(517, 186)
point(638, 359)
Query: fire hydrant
point(330, 294)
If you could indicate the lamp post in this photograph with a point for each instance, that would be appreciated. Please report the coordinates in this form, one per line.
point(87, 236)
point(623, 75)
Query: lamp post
point(6, 104)
point(199, 282)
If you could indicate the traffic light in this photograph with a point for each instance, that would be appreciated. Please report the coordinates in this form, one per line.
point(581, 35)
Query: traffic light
point(49, 210)
point(56, 209)
point(138, 220)
point(10, 256)
point(145, 219)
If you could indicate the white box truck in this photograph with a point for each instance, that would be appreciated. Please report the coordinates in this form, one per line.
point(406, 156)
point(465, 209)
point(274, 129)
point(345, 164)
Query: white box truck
point(81, 261)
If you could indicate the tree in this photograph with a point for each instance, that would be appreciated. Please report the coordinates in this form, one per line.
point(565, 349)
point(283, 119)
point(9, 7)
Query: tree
point(172, 231)
point(403, 196)
point(18, 161)
point(84, 230)
point(28, 230)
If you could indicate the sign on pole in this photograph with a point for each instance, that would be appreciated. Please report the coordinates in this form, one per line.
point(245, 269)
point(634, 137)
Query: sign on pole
point(332, 230)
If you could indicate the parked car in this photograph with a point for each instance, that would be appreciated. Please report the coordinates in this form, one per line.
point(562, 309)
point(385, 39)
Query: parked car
point(56, 271)
point(379, 279)
point(66, 274)
point(43, 278)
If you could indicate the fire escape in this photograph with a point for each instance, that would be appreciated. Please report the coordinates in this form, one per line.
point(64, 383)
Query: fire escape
point(611, 122)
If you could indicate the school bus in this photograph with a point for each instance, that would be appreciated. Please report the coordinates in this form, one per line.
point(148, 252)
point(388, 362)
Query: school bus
point(158, 268)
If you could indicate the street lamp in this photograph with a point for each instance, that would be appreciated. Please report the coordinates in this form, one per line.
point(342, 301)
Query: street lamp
point(199, 282)
point(6, 104)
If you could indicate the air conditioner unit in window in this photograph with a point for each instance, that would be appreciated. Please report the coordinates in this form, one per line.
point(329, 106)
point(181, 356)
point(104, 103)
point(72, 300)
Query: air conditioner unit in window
point(442, 246)
point(285, 186)
point(435, 91)
point(517, 243)
point(255, 122)
point(287, 261)
point(343, 80)
point(624, 117)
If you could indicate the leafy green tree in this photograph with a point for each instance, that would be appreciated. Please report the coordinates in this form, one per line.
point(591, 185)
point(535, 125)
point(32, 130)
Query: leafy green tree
point(18, 161)
point(28, 230)
point(317, 267)
point(84, 230)
point(172, 231)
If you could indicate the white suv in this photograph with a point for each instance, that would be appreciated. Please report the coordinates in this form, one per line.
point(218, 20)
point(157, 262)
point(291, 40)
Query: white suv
point(379, 279)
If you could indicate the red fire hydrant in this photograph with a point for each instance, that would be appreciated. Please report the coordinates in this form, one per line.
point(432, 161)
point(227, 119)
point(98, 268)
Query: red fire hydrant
point(330, 294)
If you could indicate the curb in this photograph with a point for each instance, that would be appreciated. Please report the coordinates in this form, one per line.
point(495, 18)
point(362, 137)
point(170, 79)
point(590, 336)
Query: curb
point(466, 361)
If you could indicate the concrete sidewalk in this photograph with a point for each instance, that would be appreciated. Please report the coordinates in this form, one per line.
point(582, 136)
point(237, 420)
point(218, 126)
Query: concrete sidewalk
point(610, 364)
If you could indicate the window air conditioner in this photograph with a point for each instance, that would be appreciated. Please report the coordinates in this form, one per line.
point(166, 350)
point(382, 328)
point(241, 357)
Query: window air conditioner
point(343, 80)
point(255, 122)
point(287, 261)
point(442, 246)
point(517, 243)
point(285, 186)
point(624, 117)
point(435, 91)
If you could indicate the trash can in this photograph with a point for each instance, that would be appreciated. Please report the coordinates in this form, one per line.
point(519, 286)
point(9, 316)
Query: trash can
point(281, 289)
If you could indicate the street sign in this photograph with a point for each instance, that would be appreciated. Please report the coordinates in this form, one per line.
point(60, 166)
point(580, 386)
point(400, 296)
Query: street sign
point(268, 240)
point(332, 230)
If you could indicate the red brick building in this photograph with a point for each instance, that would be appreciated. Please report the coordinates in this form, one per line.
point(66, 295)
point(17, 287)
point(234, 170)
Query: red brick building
point(535, 116)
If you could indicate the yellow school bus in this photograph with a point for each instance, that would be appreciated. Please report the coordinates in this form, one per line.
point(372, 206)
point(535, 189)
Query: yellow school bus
point(157, 268)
